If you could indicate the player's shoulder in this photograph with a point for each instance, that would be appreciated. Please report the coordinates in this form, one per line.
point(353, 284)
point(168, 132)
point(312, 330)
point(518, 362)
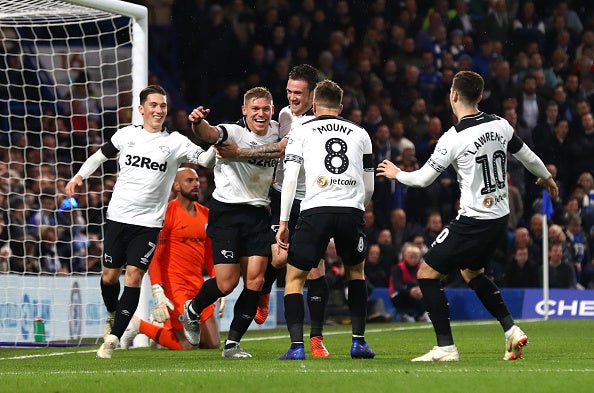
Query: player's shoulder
point(128, 130)
point(275, 125)
point(479, 119)
point(285, 113)
point(201, 208)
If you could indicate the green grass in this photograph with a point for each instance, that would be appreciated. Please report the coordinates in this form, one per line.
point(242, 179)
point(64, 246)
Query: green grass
point(559, 358)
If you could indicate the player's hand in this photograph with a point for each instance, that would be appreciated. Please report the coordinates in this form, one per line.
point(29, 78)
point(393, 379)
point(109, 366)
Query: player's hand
point(222, 305)
point(72, 184)
point(387, 169)
point(282, 235)
point(162, 304)
point(227, 149)
point(415, 293)
point(549, 185)
point(198, 114)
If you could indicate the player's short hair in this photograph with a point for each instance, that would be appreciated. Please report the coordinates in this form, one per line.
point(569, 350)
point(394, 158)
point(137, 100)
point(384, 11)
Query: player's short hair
point(307, 73)
point(255, 93)
point(469, 86)
point(328, 95)
point(152, 89)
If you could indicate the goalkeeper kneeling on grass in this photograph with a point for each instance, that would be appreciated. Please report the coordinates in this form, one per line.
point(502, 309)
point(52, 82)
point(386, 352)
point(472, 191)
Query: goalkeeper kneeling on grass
point(176, 272)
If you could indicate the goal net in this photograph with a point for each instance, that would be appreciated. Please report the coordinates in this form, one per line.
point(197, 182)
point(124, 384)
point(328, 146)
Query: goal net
point(70, 75)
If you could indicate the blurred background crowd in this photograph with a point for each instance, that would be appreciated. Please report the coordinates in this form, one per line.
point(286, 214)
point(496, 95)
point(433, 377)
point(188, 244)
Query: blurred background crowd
point(395, 61)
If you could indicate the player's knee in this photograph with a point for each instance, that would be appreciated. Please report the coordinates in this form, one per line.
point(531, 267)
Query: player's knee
point(110, 276)
point(227, 286)
point(279, 256)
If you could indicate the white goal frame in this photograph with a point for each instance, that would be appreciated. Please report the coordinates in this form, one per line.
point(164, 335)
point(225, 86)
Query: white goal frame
point(18, 308)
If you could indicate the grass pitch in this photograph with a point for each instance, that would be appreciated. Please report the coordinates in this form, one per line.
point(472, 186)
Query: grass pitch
point(559, 358)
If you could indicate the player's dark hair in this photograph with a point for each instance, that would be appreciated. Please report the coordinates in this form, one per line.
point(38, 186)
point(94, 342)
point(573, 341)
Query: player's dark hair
point(328, 95)
point(307, 73)
point(469, 86)
point(152, 89)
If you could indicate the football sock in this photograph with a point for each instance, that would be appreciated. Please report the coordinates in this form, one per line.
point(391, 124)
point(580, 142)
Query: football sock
point(160, 335)
point(208, 294)
point(230, 344)
point(110, 293)
point(490, 296)
point(357, 301)
point(243, 313)
point(439, 310)
point(269, 278)
point(294, 315)
point(317, 297)
point(125, 310)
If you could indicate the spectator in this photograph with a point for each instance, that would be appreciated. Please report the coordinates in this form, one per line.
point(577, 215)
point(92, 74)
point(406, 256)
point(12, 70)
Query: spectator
point(561, 272)
point(382, 195)
point(577, 237)
point(582, 148)
point(401, 230)
point(405, 293)
point(528, 26)
point(530, 108)
point(416, 123)
point(375, 272)
point(426, 144)
point(498, 23)
point(372, 230)
point(433, 227)
point(521, 271)
point(535, 230)
point(543, 133)
point(389, 254)
point(397, 138)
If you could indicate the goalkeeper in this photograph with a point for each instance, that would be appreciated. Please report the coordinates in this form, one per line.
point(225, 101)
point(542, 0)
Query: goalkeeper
point(176, 271)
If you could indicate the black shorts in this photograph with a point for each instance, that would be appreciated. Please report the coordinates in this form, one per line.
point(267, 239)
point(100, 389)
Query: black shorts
point(315, 229)
point(466, 243)
point(275, 202)
point(238, 230)
point(127, 244)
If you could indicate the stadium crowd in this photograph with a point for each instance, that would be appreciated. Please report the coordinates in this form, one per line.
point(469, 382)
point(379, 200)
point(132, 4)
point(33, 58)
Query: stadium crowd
point(395, 61)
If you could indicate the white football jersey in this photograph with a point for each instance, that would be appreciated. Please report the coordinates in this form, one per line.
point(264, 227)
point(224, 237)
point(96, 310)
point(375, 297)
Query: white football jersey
point(331, 150)
point(245, 180)
point(288, 122)
point(477, 149)
point(148, 163)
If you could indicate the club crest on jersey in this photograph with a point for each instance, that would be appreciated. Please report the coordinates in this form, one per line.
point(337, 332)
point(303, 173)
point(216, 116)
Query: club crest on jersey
point(488, 202)
point(165, 149)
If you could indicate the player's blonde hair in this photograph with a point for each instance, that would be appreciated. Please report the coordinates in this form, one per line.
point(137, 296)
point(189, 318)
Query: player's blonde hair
point(255, 93)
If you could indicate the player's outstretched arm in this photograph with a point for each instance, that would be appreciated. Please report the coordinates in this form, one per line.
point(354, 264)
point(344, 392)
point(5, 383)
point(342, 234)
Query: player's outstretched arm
point(87, 168)
point(203, 130)
point(269, 150)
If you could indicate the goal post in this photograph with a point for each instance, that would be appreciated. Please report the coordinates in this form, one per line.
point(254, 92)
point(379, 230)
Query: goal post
point(70, 75)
